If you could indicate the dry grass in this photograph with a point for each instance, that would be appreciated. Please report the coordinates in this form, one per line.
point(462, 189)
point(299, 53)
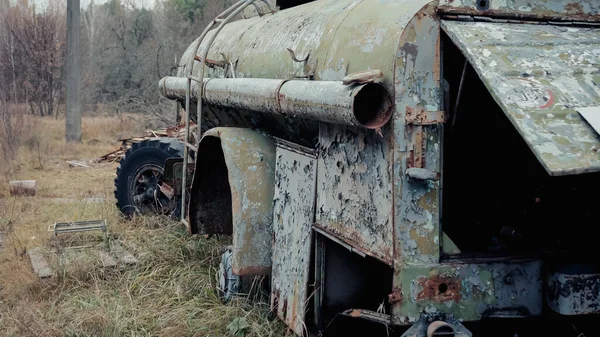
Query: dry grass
point(170, 292)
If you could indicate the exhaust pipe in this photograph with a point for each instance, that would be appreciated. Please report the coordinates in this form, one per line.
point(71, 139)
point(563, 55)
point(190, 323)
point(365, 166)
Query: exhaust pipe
point(368, 105)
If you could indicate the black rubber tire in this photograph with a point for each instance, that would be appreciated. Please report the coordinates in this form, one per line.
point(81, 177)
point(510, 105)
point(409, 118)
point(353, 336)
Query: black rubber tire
point(153, 151)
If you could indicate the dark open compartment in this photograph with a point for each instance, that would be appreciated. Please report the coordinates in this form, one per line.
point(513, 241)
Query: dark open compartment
point(498, 200)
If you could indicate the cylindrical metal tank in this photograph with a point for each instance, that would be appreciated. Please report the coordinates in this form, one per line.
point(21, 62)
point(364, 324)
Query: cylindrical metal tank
point(324, 40)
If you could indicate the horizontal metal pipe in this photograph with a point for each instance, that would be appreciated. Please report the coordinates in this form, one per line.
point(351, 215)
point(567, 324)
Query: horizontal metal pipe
point(368, 105)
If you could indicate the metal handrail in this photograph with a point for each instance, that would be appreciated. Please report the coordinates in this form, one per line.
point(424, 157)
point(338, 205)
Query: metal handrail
point(222, 19)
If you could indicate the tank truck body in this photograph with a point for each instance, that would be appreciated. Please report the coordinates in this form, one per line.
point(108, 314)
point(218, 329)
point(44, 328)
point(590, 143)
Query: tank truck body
point(423, 165)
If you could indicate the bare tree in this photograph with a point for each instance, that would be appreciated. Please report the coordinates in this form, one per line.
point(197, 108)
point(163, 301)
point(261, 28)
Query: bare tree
point(35, 49)
point(126, 50)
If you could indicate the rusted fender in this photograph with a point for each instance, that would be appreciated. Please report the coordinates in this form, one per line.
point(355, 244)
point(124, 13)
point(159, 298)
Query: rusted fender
point(250, 173)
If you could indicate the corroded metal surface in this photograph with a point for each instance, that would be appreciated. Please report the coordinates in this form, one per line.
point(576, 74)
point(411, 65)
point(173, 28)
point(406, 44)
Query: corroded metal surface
point(292, 220)
point(436, 325)
point(250, 164)
point(439, 289)
point(354, 190)
point(539, 75)
point(580, 10)
point(368, 105)
point(471, 291)
point(322, 35)
point(322, 32)
point(417, 202)
point(574, 292)
point(379, 191)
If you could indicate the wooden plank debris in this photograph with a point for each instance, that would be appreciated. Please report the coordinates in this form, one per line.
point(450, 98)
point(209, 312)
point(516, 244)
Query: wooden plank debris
point(107, 260)
point(171, 132)
point(39, 263)
point(76, 163)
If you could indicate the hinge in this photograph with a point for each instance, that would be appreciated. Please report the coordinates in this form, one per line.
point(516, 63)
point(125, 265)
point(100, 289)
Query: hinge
point(395, 296)
point(418, 118)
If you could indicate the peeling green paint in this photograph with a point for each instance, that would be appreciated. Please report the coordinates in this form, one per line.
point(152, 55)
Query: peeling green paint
point(539, 83)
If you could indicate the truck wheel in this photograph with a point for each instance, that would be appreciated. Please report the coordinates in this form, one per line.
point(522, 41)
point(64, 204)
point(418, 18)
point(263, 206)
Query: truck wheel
point(139, 174)
point(228, 284)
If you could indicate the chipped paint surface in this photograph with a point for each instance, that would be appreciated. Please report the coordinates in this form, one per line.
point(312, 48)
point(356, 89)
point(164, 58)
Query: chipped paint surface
point(292, 221)
point(368, 104)
point(540, 75)
point(354, 191)
point(379, 191)
point(250, 160)
point(574, 293)
point(323, 31)
point(470, 291)
point(580, 10)
point(416, 208)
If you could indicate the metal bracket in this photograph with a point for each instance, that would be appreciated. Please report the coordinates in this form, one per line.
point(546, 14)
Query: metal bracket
point(418, 118)
point(422, 174)
point(395, 296)
point(308, 73)
point(293, 55)
point(437, 324)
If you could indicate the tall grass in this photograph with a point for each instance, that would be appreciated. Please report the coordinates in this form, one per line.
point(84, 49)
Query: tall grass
point(170, 292)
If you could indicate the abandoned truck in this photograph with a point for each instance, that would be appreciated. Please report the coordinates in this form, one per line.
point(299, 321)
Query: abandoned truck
point(424, 165)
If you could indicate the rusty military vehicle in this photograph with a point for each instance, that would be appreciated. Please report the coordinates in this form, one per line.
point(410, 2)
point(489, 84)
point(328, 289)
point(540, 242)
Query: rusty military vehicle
point(427, 166)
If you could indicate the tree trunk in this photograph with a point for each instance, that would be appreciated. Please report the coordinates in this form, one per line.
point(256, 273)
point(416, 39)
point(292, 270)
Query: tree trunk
point(73, 115)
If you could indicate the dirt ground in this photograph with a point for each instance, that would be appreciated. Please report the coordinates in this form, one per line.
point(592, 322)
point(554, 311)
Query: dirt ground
point(170, 292)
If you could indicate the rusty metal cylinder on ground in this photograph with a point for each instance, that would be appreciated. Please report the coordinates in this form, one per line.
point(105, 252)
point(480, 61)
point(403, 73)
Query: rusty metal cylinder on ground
point(23, 188)
point(368, 105)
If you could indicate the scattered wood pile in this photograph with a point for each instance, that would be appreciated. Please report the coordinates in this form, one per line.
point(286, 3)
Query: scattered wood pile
point(172, 132)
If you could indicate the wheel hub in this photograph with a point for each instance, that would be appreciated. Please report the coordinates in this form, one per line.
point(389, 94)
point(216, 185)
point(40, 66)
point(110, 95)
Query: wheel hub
point(145, 194)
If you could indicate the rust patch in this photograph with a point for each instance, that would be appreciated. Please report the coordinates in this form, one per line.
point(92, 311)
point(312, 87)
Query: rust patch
point(211, 63)
point(284, 310)
point(574, 8)
point(355, 313)
point(275, 300)
point(439, 289)
point(395, 296)
point(418, 116)
point(418, 147)
point(252, 271)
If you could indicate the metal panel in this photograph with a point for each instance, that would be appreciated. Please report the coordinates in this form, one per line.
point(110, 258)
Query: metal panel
point(293, 216)
point(418, 93)
point(539, 75)
point(470, 291)
point(574, 289)
point(354, 186)
point(577, 10)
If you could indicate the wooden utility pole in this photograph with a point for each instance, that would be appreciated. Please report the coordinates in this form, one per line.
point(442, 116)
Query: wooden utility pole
point(73, 115)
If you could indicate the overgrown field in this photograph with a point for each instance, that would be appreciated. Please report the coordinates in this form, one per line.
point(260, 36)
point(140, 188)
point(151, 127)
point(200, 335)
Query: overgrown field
point(170, 292)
